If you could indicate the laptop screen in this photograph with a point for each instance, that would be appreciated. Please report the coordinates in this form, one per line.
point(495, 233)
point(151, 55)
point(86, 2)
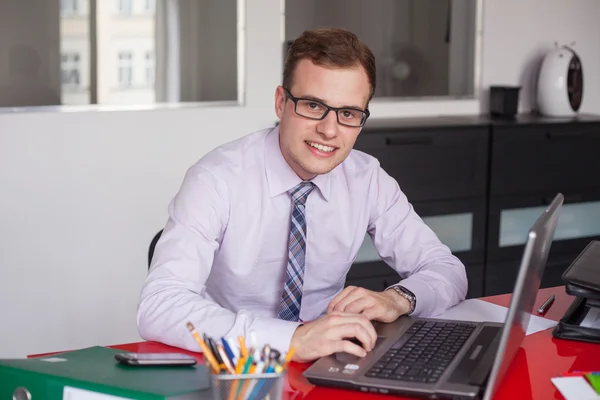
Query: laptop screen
point(525, 292)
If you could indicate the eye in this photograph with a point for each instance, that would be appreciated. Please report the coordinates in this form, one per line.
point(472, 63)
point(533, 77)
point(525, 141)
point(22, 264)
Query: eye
point(348, 114)
point(313, 106)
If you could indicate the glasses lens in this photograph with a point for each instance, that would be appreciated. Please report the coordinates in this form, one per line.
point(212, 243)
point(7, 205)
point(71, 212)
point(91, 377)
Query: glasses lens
point(310, 109)
point(351, 117)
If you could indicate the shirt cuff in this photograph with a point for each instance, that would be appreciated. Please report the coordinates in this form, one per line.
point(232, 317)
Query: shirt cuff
point(425, 300)
point(277, 333)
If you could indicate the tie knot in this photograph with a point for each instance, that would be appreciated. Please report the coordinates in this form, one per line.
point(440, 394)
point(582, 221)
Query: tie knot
point(300, 192)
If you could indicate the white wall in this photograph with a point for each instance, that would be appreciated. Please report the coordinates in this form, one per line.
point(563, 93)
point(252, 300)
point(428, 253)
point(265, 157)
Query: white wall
point(83, 193)
point(518, 33)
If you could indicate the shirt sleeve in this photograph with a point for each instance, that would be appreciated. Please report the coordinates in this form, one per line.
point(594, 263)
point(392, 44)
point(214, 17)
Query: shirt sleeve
point(426, 266)
point(174, 290)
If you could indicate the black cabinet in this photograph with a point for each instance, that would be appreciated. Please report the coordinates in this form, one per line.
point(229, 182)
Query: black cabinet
point(481, 183)
point(442, 169)
point(431, 163)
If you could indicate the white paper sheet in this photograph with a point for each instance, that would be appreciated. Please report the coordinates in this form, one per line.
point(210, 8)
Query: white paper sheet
point(575, 388)
point(71, 393)
point(480, 310)
point(592, 319)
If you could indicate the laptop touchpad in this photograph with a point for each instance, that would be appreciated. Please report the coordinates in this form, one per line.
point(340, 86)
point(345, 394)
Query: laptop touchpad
point(347, 358)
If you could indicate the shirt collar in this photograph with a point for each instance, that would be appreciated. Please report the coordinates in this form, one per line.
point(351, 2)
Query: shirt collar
point(280, 176)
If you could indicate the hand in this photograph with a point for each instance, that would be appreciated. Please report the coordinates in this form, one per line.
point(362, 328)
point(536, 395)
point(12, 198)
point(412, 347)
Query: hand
point(330, 333)
point(384, 306)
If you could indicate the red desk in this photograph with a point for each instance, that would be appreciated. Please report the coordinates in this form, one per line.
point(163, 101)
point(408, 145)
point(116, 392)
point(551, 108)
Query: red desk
point(541, 358)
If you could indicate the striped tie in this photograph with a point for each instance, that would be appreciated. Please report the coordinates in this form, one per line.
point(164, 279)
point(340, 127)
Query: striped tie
point(291, 300)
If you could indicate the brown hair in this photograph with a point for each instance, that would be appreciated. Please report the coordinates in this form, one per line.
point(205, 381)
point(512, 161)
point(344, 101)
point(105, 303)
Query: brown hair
point(330, 47)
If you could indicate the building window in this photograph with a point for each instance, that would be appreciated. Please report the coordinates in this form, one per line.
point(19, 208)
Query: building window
point(150, 68)
point(69, 6)
point(70, 69)
point(125, 66)
point(124, 7)
point(149, 6)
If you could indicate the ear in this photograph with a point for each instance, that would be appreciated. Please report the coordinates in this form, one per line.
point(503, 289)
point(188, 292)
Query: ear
point(280, 101)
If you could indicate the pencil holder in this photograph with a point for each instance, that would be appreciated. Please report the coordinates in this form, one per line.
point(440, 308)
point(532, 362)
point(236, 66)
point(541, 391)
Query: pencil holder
point(247, 386)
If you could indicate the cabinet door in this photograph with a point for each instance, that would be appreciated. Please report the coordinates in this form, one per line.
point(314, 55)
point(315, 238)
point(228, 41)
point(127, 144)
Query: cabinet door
point(460, 225)
point(511, 218)
point(545, 157)
point(500, 277)
point(378, 276)
point(432, 164)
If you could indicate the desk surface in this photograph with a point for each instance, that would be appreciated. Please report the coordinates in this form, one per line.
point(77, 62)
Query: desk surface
point(541, 358)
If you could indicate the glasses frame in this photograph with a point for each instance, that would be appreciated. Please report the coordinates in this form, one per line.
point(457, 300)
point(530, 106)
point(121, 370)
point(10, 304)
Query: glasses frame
point(328, 108)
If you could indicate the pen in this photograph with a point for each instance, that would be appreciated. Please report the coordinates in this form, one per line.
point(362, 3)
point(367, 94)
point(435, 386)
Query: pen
point(205, 350)
point(546, 305)
point(228, 350)
point(288, 357)
point(243, 349)
point(212, 345)
point(225, 359)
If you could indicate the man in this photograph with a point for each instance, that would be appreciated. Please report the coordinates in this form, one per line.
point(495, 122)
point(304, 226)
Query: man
point(264, 229)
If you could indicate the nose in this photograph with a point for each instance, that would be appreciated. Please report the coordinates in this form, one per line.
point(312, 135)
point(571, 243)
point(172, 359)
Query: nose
point(328, 126)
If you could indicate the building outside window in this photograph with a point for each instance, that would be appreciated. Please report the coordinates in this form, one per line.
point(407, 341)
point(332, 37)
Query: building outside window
point(150, 68)
point(150, 6)
point(69, 6)
point(125, 68)
point(70, 69)
point(124, 7)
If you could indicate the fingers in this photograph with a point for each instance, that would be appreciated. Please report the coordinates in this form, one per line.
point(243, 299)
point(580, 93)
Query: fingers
point(353, 326)
point(352, 296)
point(375, 313)
point(350, 348)
point(330, 334)
point(340, 296)
point(359, 305)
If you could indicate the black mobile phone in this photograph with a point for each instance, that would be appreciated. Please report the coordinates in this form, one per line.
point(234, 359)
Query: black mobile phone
point(149, 359)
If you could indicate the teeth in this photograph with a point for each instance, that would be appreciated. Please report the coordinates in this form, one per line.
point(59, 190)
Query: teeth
point(321, 147)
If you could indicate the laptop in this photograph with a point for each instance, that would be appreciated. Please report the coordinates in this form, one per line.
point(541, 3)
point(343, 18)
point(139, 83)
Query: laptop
point(437, 359)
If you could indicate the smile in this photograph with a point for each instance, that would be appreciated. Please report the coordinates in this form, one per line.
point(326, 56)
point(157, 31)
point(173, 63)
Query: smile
point(326, 149)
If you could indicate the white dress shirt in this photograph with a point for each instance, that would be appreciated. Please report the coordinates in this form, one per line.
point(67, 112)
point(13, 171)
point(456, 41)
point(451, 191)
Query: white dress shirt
point(221, 261)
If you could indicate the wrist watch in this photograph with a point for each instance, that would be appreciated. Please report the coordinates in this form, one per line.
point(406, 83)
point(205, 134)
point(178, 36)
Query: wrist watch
point(407, 294)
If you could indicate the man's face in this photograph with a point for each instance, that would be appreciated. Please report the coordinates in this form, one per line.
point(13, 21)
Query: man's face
point(313, 147)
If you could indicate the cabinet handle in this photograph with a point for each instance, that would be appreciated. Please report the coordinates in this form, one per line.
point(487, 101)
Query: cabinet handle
point(566, 134)
point(399, 141)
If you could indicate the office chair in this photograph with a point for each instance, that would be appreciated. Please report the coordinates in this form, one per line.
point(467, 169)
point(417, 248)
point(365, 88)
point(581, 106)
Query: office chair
point(152, 246)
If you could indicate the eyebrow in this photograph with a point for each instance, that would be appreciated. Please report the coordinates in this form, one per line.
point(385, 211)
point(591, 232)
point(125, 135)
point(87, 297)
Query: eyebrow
point(309, 97)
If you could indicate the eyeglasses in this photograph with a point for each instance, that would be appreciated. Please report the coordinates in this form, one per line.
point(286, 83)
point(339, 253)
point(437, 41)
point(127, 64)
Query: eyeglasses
point(314, 109)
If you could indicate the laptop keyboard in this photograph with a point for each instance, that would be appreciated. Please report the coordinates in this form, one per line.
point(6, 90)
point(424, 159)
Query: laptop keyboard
point(426, 354)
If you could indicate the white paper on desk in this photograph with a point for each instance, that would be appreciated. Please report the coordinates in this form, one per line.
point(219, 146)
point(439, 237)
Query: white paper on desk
point(575, 388)
point(592, 319)
point(480, 310)
point(71, 393)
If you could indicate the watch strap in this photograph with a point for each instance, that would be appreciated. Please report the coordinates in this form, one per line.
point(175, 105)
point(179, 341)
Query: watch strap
point(407, 294)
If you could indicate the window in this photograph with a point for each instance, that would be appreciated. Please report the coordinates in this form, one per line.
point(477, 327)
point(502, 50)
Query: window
point(69, 6)
point(423, 48)
point(149, 6)
point(125, 68)
point(124, 7)
point(70, 69)
point(162, 56)
point(150, 68)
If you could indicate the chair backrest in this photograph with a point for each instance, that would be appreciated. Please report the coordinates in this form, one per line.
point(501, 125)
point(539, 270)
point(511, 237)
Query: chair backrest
point(152, 246)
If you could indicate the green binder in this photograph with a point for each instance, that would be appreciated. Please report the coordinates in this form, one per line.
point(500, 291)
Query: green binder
point(94, 374)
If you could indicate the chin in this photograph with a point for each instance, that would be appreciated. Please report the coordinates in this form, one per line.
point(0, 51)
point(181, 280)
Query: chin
point(321, 169)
